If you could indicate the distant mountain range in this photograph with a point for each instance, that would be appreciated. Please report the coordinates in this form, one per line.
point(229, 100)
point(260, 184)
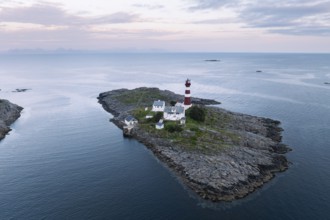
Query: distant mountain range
point(73, 51)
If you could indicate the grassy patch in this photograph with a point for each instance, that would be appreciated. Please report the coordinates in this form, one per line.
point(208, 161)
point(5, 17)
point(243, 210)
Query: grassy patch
point(139, 98)
point(141, 113)
point(208, 137)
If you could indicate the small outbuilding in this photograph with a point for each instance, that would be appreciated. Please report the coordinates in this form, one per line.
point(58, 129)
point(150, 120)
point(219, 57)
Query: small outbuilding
point(130, 120)
point(160, 124)
point(183, 121)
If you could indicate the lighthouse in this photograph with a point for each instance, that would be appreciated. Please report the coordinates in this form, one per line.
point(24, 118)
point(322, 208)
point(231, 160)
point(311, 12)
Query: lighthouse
point(187, 100)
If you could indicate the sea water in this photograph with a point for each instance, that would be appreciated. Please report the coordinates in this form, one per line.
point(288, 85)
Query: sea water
point(65, 160)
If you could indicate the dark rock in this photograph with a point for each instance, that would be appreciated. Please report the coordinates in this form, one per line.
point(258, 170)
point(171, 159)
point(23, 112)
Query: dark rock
point(212, 60)
point(9, 112)
point(21, 90)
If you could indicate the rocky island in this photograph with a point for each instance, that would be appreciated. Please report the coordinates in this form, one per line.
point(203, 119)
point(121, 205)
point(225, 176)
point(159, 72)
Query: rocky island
point(212, 60)
point(223, 157)
point(9, 112)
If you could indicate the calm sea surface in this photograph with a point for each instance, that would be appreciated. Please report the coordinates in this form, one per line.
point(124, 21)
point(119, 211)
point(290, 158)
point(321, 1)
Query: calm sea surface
point(65, 160)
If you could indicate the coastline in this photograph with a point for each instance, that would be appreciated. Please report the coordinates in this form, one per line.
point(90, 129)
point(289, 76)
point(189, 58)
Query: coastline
point(9, 113)
point(239, 168)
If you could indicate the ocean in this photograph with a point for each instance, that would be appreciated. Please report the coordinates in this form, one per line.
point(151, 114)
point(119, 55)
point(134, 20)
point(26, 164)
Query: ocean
point(65, 160)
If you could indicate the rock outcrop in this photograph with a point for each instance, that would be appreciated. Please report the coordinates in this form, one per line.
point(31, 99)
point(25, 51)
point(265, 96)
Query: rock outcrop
point(9, 113)
point(233, 155)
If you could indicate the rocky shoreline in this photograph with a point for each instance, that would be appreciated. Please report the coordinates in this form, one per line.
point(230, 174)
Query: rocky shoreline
point(9, 113)
point(230, 160)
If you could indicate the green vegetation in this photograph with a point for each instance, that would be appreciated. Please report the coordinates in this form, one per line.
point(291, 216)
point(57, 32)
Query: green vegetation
point(139, 98)
point(157, 117)
point(197, 113)
point(141, 113)
point(170, 127)
point(172, 103)
point(205, 130)
point(208, 136)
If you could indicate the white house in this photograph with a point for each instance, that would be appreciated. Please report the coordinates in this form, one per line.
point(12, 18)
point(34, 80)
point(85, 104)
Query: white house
point(160, 125)
point(130, 120)
point(183, 121)
point(174, 113)
point(158, 106)
point(179, 104)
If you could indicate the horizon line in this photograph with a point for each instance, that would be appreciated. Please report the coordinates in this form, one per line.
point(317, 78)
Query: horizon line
point(37, 51)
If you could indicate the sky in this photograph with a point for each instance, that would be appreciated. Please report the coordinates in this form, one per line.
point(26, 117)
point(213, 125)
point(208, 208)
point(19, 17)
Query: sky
point(169, 26)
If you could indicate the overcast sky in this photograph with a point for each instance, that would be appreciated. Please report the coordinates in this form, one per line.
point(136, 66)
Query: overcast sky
point(171, 25)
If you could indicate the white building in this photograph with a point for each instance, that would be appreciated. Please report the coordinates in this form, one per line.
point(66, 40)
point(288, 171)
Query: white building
point(160, 125)
point(183, 121)
point(130, 120)
point(174, 113)
point(158, 106)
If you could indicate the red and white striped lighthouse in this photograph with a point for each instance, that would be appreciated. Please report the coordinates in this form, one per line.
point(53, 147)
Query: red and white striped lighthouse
point(187, 100)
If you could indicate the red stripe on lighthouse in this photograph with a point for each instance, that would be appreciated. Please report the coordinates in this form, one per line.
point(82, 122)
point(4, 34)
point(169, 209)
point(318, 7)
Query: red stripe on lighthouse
point(187, 100)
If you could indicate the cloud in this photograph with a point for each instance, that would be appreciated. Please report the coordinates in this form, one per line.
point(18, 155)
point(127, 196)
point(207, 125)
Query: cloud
point(288, 17)
point(211, 4)
point(37, 14)
point(137, 34)
point(56, 28)
point(305, 31)
point(215, 4)
point(119, 17)
point(47, 14)
point(79, 38)
point(217, 21)
point(44, 38)
point(50, 26)
point(150, 7)
point(282, 15)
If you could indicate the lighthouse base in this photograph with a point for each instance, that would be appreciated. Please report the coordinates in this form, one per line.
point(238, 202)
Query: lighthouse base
point(187, 106)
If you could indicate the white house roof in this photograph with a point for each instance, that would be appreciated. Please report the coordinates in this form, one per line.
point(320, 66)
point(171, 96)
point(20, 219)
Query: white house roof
point(174, 109)
point(159, 103)
point(160, 124)
point(130, 118)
